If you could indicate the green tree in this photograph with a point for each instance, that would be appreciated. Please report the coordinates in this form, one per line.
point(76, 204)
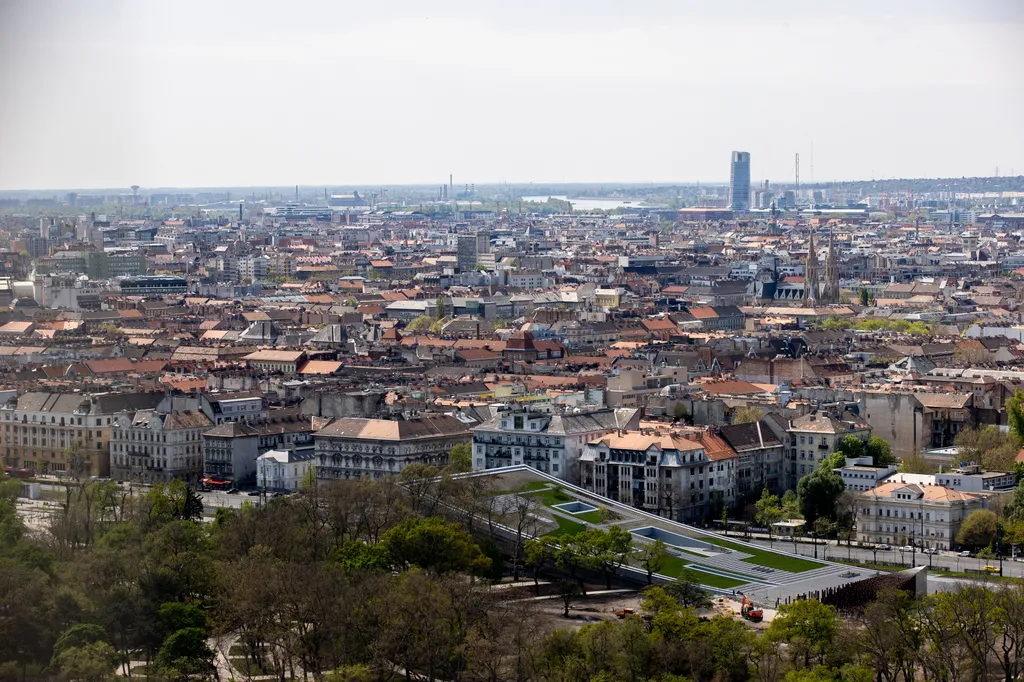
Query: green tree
point(435, 545)
point(1013, 510)
point(174, 501)
point(990, 447)
point(769, 511)
point(568, 590)
point(605, 550)
point(747, 414)
point(687, 592)
point(652, 557)
point(89, 662)
point(185, 655)
point(419, 324)
point(916, 464)
point(862, 296)
point(176, 615)
point(439, 307)
point(850, 446)
point(1015, 414)
point(818, 492)
point(880, 452)
point(978, 529)
point(460, 458)
point(790, 505)
point(356, 556)
point(810, 629)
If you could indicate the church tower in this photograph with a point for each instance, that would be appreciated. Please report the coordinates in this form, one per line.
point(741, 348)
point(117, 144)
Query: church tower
point(811, 273)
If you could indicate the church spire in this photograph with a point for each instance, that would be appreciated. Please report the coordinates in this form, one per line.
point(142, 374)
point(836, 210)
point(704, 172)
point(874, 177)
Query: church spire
point(811, 272)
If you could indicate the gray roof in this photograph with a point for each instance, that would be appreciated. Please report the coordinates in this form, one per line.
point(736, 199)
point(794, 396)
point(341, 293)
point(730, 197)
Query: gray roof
point(585, 422)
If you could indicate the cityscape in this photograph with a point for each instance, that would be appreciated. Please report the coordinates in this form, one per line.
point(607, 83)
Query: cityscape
point(746, 425)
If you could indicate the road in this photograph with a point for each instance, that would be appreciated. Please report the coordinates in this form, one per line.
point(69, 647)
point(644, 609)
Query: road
point(946, 561)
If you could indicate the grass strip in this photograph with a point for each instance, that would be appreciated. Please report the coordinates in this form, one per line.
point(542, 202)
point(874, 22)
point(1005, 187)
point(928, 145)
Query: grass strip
point(760, 557)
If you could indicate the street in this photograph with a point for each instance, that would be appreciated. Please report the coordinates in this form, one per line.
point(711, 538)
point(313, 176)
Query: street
point(947, 561)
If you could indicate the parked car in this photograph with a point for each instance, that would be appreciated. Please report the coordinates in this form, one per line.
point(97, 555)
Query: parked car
point(885, 547)
point(966, 552)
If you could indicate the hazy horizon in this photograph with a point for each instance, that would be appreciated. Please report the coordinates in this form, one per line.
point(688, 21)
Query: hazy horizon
point(102, 94)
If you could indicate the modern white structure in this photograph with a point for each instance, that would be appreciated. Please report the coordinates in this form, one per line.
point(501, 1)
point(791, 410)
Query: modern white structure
point(860, 475)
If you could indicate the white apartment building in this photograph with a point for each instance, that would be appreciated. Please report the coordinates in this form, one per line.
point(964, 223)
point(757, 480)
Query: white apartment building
point(284, 470)
point(544, 440)
point(909, 513)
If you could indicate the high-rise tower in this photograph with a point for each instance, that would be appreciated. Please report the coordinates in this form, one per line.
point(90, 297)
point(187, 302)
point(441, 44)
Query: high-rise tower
point(739, 182)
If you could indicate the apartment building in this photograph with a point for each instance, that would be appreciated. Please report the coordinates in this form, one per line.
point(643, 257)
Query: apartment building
point(230, 450)
point(547, 441)
point(148, 447)
point(681, 476)
point(40, 428)
point(813, 437)
point(371, 448)
point(909, 513)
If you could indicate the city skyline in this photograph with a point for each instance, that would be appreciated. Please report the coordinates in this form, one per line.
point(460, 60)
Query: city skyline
point(218, 96)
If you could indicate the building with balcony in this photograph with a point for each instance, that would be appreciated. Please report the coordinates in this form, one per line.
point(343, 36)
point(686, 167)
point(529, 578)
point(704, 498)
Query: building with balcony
point(814, 436)
point(909, 513)
point(40, 429)
point(147, 447)
point(679, 475)
point(371, 448)
point(546, 441)
point(230, 450)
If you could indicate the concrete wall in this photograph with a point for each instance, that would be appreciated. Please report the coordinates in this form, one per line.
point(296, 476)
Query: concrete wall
point(892, 416)
point(338, 405)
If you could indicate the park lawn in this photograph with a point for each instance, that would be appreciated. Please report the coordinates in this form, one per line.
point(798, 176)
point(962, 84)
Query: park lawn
point(674, 567)
point(760, 557)
point(565, 527)
point(550, 497)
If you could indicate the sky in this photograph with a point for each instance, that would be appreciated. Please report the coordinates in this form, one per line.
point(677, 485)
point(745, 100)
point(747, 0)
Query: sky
point(202, 93)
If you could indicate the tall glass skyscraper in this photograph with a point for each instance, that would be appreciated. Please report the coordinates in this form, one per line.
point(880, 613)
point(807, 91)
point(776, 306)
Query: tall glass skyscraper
point(739, 182)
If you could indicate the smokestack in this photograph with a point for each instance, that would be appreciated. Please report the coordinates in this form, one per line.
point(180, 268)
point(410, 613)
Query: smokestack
point(296, 193)
point(239, 212)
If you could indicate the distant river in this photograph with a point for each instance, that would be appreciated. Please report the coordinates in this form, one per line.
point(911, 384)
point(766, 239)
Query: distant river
point(590, 204)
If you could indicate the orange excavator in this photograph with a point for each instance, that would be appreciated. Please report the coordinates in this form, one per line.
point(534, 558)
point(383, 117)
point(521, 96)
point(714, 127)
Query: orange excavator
point(750, 612)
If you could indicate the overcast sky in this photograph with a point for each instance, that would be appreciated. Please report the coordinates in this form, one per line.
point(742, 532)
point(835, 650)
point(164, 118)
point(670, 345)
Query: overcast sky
point(206, 93)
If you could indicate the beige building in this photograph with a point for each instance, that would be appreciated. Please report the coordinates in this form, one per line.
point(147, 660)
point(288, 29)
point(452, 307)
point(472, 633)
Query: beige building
point(909, 513)
point(371, 448)
point(814, 436)
point(40, 428)
point(677, 475)
point(286, 361)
